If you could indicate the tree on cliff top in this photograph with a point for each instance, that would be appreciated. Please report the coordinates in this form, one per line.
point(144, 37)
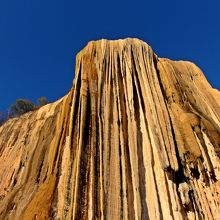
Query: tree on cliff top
point(42, 101)
point(3, 118)
point(20, 107)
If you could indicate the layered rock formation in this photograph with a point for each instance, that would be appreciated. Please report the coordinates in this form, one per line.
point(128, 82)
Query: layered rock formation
point(137, 137)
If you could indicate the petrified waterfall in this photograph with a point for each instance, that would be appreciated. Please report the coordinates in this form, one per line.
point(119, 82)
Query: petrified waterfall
point(137, 137)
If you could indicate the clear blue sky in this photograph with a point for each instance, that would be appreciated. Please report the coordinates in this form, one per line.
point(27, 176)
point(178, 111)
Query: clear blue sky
point(40, 38)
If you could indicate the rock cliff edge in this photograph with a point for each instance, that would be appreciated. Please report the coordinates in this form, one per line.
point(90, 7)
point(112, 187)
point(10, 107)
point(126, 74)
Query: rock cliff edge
point(137, 137)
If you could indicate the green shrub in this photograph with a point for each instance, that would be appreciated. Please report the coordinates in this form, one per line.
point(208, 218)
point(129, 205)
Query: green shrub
point(20, 107)
point(3, 118)
point(42, 101)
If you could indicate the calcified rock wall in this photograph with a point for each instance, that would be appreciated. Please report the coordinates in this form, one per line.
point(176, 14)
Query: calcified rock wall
point(137, 137)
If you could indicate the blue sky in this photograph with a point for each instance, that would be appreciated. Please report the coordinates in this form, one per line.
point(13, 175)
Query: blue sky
point(40, 38)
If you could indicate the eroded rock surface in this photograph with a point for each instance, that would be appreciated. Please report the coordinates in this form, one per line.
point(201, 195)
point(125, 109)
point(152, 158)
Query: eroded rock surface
point(137, 137)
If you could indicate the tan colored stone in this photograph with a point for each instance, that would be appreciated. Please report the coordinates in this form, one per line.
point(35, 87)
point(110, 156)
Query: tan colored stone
point(137, 137)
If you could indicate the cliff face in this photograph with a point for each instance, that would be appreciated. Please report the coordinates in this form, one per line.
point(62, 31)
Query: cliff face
point(137, 137)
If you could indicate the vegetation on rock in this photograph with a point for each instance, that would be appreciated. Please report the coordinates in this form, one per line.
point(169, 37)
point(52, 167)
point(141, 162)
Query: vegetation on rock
point(3, 118)
point(42, 101)
point(20, 107)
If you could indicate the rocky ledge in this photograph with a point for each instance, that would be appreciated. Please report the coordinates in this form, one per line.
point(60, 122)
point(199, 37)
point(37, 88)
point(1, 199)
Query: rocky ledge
point(137, 137)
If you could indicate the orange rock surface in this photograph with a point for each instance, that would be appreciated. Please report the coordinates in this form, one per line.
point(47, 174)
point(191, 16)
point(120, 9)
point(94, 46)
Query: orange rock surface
point(137, 137)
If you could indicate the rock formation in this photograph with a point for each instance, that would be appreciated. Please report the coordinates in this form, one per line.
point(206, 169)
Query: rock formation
point(137, 137)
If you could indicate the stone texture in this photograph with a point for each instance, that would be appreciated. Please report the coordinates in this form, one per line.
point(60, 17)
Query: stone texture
point(137, 137)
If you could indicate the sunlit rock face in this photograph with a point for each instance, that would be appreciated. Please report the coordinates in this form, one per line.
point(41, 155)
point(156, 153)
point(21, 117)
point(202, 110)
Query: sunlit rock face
point(137, 137)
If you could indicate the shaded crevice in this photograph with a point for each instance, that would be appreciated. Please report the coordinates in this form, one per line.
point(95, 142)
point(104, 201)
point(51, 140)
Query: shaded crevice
point(176, 176)
point(83, 188)
point(129, 189)
point(141, 167)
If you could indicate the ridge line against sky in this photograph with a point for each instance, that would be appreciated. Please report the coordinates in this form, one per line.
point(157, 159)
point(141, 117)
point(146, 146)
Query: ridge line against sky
point(40, 39)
